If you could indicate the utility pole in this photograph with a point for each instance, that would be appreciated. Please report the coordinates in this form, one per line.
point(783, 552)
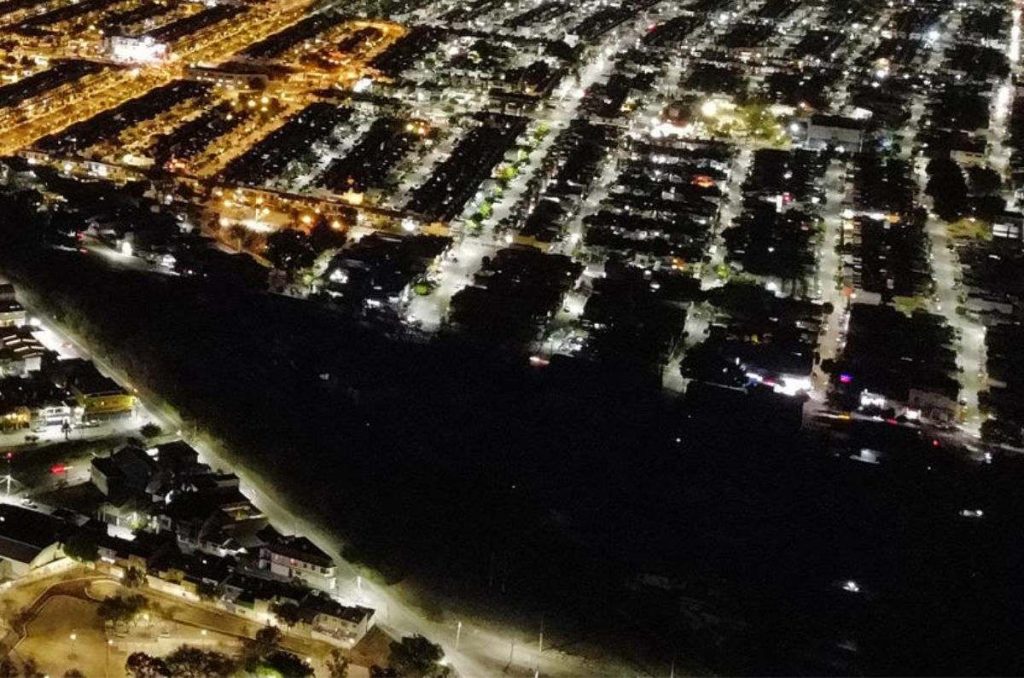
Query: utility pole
point(458, 635)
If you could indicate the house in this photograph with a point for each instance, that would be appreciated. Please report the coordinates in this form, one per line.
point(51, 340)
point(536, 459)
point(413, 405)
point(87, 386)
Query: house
point(140, 553)
point(15, 419)
point(52, 412)
point(326, 615)
point(28, 540)
point(934, 406)
point(20, 352)
point(177, 457)
point(970, 151)
point(175, 462)
point(298, 558)
point(131, 512)
point(193, 572)
point(1009, 227)
point(101, 397)
point(12, 314)
point(834, 131)
point(126, 472)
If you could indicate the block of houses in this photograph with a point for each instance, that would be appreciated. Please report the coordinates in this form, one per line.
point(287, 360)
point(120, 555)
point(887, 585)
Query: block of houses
point(137, 482)
point(141, 553)
point(209, 514)
point(249, 595)
point(193, 572)
point(28, 401)
point(97, 397)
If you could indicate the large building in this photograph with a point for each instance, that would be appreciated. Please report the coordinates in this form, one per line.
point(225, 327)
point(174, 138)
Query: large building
point(135, 50)
point(28, 540)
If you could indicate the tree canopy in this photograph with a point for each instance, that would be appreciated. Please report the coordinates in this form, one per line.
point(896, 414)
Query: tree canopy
point(417, 657)
point(289, 250)
point(121, 609)
point(193, 662)
point(81, 546)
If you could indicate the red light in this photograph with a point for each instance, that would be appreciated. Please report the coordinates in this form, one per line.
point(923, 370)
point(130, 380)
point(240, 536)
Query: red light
point(57, 469)
point(891, 421)
point(935, 442)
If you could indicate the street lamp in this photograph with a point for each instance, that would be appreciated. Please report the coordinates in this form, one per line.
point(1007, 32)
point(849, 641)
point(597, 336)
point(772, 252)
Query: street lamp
point(9, 478)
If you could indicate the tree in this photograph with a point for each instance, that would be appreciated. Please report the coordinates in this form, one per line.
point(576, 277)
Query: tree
point(337, 665)
point(288, 614)
point(287, 664)
point(81, 546)
point(289, 250)
point(73, 673)
point(134, 578)
point(267, 641)
point(207, 591)
point(1002, 432)
point(947, 188)
point(29, 669)
point(150, 430)
point(7, 668)
point(121, 609)
point(324, 236)
point(193, 662)
point(142, 665)
point(417, 657)
point(984, 180)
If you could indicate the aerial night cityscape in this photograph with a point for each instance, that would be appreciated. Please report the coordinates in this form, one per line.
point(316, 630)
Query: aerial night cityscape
point(529, 338)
